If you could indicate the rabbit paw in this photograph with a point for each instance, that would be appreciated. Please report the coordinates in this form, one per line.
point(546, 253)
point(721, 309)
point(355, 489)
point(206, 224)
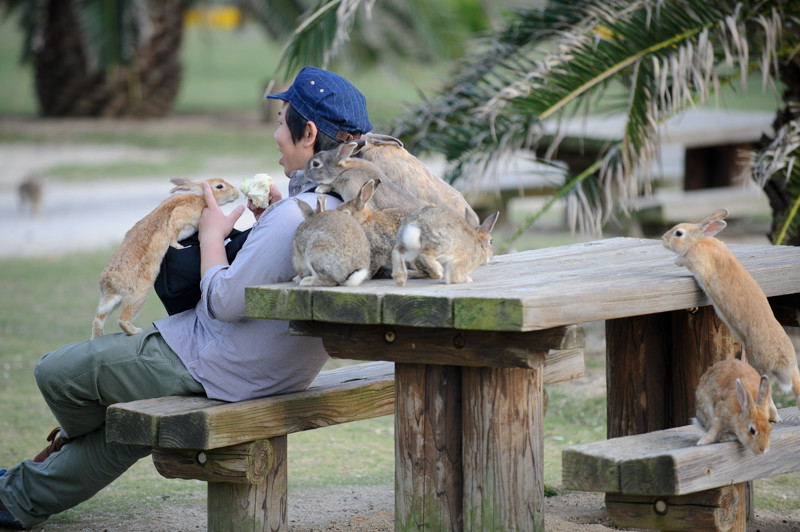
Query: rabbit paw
point(705, 440)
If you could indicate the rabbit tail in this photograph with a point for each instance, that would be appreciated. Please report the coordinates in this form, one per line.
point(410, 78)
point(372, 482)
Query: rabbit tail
point(357, 277)
point(108, 302)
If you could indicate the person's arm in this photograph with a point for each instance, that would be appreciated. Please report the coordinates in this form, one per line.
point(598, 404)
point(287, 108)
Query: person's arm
point(212, 230)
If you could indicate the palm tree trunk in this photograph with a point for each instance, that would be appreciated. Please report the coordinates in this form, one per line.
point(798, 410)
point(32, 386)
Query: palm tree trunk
point(68, 85)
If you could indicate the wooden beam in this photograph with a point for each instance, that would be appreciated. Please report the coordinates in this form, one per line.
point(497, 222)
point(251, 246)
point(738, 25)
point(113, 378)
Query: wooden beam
point(720, 509)
point(245, 463)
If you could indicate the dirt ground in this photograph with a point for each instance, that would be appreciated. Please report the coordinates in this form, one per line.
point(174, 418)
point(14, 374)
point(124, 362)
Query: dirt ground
point(349, 508)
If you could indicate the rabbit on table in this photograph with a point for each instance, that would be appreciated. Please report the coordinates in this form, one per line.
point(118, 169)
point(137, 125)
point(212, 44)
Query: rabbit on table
point(738, 300)
point(329, 248)
point(133, 268)
point(444, 243)
point(379, 226)
point(335, 171)
point(411, 175)
point(733, 404)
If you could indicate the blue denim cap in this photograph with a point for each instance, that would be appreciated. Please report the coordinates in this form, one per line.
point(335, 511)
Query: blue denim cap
point(335, 106)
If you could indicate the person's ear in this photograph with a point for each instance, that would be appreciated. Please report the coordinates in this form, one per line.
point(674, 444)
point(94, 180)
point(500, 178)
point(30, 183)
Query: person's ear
point(310, 135)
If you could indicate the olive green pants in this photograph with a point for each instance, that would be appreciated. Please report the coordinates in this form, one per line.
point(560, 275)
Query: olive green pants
point(78, 382)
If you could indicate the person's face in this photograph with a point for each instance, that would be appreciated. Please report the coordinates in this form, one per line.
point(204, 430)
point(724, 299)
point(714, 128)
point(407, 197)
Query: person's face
point(294, 156)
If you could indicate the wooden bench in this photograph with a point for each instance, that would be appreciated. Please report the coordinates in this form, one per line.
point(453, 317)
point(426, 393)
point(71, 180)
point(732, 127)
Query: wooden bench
point(662, 480)
point(240, 448)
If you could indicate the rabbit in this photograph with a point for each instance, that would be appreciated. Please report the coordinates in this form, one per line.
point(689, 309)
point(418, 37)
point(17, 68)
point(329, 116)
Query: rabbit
point(728, 417)
point(444, 242)
point(411, 174)
point(329, 248)
point(737, 299)
point(379, 226)
point(335, 171)
point(30, 192)
point(133, 268)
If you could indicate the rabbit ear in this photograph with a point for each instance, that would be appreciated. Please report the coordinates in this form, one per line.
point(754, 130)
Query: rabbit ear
point(762, 399)
point(182, 183)
point(381, 140)
point(345, 151)
point(488, 223)
point(712, 227)
point(745, 401)
point(366, 191)
point(322, 200)
point(304, 208)
point(719, 214)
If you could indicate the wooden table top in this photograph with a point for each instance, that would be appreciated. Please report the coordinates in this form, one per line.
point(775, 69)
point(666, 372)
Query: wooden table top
point(530, 290)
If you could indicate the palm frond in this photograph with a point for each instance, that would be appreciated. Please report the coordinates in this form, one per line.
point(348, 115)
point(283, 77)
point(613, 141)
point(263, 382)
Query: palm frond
point(666, 55)
point(781, 160)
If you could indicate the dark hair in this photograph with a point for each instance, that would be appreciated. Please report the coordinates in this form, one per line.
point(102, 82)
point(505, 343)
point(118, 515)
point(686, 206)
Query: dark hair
point(297, 126)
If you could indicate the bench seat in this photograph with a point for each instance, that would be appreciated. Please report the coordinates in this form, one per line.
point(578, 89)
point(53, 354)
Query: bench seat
point(646, 475)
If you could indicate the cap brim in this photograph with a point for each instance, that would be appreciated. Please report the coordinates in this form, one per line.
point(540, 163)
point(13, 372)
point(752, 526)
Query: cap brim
point(279, 96)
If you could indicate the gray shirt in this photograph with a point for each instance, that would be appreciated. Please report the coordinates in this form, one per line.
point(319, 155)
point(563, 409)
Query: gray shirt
point(235, 357)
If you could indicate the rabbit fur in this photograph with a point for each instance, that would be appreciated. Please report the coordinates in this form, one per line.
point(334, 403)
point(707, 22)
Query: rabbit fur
point(737, 299)
point(336, 171)
point(733, 404)
point(133, 268)
point(444, 242)
point(329, 248)
point(379, 226)
point(410, 174)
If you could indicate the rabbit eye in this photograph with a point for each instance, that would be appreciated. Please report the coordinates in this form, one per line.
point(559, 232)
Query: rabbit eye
point(679, 233)
point(316, 164)
point(219, 186)
point(753, 430)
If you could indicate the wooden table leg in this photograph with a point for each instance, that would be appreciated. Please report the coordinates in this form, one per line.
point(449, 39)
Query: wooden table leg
point(503, 449)
point(428, 480)
point(496, 480)
point(653, 365)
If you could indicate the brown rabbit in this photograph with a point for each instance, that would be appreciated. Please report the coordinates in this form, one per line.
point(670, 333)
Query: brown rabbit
point(133, 268)
point(379, 226)
point(411, 174)
point(30, 192)
point(329, 248)
point(444, 242)
point(737, 298)
point(335, 171)
point(726, 416)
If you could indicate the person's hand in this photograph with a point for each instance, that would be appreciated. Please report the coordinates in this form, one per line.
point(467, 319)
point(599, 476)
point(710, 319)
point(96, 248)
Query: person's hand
point(213, 228)
point(274, 195)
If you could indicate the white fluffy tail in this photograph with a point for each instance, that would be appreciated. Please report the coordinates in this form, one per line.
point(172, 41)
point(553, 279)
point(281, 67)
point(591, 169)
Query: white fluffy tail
point(106, 306)
point(357, 277)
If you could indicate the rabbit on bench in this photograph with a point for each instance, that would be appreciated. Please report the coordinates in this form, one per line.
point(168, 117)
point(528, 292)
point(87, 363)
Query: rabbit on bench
point(133, 268)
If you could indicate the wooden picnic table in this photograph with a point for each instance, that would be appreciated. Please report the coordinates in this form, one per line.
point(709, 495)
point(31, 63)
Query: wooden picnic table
point(469, 359)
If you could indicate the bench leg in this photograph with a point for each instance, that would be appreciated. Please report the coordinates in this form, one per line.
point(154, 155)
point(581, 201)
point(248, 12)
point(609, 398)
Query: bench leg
point(235, 507)
point(718, 510)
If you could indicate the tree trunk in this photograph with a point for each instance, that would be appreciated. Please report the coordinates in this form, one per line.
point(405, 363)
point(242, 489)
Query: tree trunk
point(68, 85)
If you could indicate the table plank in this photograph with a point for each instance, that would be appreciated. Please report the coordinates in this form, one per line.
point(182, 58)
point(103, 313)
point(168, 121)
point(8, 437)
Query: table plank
point(532, 290)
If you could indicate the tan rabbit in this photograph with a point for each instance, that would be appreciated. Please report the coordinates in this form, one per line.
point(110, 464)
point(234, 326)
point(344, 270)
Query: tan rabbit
point(329, 248)
point(335, 171)
point(379, 226)
point(133, 268)
point(444, 242)
point(411, 174)
point(729, 415)
point(737, 298)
